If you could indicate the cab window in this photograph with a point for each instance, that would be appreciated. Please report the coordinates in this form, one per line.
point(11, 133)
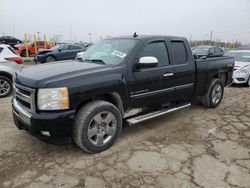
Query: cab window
point(157, 50)
point(179, 52)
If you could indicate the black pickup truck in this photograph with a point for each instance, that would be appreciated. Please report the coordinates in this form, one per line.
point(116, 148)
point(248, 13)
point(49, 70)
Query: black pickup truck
point(124, 79)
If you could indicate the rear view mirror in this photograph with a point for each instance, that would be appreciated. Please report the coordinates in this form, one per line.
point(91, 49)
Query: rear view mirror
point(147, 61)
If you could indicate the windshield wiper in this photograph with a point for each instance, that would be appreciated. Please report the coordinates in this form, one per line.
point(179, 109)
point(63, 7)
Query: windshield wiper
point(99, 61)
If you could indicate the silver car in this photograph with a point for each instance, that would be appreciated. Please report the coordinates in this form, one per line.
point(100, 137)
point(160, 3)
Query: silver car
point(7, 70)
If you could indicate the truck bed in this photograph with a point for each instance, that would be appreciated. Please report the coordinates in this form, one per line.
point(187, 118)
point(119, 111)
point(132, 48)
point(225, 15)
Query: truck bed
point(207, 68)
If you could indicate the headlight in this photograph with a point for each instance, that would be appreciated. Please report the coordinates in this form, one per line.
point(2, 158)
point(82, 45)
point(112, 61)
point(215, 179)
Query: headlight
point(53, 99)
point(243, 70)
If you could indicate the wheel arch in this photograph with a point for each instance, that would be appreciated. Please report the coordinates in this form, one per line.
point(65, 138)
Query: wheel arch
point(6, 74)
point(112, 97)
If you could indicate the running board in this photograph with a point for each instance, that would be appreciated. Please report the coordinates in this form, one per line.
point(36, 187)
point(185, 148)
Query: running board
point(151, 115)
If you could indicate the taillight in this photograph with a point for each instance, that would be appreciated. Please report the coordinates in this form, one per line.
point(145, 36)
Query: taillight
point(18, 60)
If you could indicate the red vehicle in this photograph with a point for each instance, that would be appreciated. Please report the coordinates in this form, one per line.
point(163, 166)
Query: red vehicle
point(21, 50)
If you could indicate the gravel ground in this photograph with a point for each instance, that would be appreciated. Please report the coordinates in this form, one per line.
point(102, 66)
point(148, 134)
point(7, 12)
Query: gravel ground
point(194, 147)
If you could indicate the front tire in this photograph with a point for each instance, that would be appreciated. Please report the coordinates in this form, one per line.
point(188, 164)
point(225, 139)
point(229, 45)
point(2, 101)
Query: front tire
point(5, 86)
point(214, 95)
point(23, 54)
point(50, 59)
point(97, 125)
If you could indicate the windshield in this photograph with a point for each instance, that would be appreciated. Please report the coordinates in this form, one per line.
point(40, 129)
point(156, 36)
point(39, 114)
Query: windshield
point(55, 47)
point(201, 50)
point(240, 56)
point(109, 52)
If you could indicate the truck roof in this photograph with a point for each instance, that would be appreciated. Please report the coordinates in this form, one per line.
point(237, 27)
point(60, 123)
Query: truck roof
point(142, 37)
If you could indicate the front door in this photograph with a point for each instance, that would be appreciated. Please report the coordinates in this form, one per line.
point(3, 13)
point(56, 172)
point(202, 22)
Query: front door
point(153, 85)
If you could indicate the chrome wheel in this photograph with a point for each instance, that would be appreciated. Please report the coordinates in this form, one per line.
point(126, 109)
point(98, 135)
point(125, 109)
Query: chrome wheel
point(50, 59)
point(102, 128)
point(4, 87)
point(217, 94)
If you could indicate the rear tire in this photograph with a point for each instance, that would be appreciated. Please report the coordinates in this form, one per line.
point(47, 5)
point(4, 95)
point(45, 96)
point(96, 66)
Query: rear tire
point(248, 82)
point(5, 86)
point(214, 95)
point(96, 126)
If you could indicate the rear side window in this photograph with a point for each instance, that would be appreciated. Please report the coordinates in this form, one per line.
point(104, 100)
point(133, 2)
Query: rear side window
point(11, 49)
point(1, 49)
point(157, 50)
point(179, 52)
point(40, 43)
point(74, 47)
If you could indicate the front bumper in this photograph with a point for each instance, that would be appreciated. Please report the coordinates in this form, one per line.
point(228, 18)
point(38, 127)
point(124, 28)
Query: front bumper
point(239, 78)
point(39, 58)
point(57, 124)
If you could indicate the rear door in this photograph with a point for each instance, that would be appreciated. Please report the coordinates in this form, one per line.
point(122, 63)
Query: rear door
point(153, 85)
point(74, 50)
point(184, 69)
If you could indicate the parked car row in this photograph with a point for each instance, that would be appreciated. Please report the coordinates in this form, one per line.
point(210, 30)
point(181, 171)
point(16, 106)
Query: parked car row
point(242, 66)
point(59, 52)
point(242, 61)
point(7, 70)
point(12, 41)
point(207, 51)
point(9, 54)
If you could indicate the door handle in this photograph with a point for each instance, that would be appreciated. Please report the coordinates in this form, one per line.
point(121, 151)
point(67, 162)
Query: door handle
point(168, 74)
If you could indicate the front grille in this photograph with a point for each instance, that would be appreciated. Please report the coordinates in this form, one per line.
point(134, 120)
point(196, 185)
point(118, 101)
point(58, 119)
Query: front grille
point(241, 79)
point(25, 96)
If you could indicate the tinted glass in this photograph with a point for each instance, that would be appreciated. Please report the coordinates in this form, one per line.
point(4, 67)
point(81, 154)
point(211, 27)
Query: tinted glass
point(74, 47)
point(212, 51)
point(11, 49)
point(40, 43)
point(179, 53)
point(218, 50)
point(157, 50)
point(64, 47)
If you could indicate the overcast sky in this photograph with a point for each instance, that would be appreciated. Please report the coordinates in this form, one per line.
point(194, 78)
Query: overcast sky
point(229, 19)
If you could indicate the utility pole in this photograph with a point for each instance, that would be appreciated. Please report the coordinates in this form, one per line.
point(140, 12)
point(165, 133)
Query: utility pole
point(190, 38)
point(211, 36)
point(70, 28)
point(38, 35)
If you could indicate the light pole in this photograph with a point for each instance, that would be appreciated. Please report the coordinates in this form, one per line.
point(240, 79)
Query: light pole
point(38, 35)
point(89, 37)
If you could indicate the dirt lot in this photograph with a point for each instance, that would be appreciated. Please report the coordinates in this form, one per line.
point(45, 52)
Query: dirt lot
point(195, 147)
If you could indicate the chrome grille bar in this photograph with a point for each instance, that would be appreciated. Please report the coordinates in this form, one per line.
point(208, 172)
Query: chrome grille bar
point(25, 95)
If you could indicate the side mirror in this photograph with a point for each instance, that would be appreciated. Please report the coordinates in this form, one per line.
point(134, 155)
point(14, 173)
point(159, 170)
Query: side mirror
point(147, 61)
point(59, 50)
point(196, 56)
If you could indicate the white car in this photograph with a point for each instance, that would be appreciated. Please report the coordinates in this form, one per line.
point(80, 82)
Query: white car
point(9, 54)
point(79, 55)
point(241, 73)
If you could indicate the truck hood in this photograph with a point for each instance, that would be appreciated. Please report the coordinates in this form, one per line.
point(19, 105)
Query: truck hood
point(45, 75)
